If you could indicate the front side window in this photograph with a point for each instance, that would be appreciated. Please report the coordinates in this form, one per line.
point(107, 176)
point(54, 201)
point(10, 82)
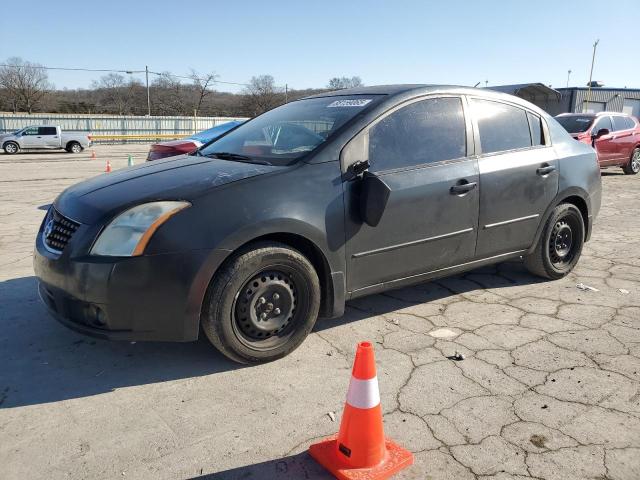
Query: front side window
point(502, 127)
point(289, 132)
point(620, 123)
point(31, 131)
point(602, 122)
point(426, 131)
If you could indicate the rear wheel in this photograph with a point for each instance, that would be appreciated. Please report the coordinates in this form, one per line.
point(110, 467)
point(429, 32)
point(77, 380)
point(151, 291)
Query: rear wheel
point(74, 147)
point(10, 148)
point(262, 304)
point(633, 167)
point(560, 244)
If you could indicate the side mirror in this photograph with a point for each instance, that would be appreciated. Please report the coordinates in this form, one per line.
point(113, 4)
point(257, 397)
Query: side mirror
point(601, 133)
point(374, 195)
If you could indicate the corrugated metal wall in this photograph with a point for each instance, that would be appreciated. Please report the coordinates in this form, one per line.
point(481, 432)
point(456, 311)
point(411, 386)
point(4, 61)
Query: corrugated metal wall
point(112, 124)
point(612, 99)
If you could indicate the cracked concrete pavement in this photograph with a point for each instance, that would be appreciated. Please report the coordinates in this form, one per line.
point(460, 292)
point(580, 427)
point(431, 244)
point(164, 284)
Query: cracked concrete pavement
point(549, 387)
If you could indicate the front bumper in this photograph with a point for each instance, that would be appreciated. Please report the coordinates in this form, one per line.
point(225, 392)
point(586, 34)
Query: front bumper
point(157, 297)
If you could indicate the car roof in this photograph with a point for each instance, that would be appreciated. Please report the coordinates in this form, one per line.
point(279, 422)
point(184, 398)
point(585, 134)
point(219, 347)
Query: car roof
point(597, 114)
point(413, 90)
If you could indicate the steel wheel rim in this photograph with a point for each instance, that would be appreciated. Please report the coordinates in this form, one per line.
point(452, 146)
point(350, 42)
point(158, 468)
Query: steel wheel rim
point(562, 242)
point(267, 308)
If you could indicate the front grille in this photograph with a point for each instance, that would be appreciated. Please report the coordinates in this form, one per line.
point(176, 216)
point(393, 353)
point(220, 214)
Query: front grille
point(58, 230)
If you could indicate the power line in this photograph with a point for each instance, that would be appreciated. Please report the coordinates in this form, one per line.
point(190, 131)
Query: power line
point(110, 70)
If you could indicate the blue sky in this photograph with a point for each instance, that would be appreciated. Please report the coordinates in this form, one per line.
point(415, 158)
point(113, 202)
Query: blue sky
point(304, 43)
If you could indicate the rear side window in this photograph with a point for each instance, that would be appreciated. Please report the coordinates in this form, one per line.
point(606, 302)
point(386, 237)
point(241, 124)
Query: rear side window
point(535, 124)
point(602, 122)
point(629, 122)
point(47, 131)
point(502, 127)
point(427, 131)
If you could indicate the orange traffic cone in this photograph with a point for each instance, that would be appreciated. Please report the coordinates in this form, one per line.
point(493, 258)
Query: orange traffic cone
point(93, 155)
point(360, 451)
point(108, 169)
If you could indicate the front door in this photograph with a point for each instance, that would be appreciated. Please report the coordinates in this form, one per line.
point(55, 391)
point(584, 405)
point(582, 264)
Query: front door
point(604, 145)
point(31, 138)
point(518, 176)
point(430, 221)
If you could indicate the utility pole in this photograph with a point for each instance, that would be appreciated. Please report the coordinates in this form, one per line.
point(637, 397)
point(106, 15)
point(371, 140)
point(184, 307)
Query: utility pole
point(593, 60)
point(486, 83)
point(568, 75)
point(146, 70)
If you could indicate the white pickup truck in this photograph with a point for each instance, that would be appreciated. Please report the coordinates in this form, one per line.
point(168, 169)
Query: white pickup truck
point(43, 137)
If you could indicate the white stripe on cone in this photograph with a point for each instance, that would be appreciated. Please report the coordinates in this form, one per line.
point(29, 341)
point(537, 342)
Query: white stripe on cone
point(363, 393)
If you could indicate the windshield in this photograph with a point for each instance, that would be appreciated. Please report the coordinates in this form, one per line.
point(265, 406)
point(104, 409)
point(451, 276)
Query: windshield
point(287, 133)
point(576, 123)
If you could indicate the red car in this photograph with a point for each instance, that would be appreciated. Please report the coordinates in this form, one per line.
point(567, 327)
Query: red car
point(189, 144)
point(615, 136)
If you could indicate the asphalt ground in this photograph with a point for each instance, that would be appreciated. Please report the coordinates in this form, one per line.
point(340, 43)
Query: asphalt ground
point(548, 388)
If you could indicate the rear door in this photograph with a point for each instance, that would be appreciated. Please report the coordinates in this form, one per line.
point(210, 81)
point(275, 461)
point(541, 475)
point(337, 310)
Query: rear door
point(623, 138)
point(49, 137)
point(518, 175)
point(423, 151)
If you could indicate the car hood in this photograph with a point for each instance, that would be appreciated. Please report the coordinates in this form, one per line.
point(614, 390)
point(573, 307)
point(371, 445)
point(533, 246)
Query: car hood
point(177, 178)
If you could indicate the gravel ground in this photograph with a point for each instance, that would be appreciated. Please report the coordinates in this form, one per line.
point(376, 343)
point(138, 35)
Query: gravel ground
point(548, 388)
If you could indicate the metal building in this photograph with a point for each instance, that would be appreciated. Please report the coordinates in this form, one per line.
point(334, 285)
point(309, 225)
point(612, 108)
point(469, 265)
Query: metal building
point(577, 99)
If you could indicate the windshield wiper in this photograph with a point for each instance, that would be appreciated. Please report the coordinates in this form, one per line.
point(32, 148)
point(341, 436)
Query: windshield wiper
point(236, 157)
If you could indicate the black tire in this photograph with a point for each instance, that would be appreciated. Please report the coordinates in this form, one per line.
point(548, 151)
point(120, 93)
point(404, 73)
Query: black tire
point(74, 147)
point(262, 304)
point(11, 148)
point(633, 167)
point(560, 245)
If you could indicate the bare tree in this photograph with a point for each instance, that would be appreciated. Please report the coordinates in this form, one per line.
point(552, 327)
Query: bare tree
point(26, 83)
point(201, 84)
point(169, 95)
point(116, 92)
point(261, 95)
point(339, 83)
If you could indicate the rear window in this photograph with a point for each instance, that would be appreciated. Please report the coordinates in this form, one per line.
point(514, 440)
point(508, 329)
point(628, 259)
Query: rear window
point(576, 123)
point(47, 131)
point(502, 127)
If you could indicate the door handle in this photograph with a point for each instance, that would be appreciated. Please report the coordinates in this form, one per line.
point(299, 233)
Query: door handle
point(461, 188)
point(546, 170)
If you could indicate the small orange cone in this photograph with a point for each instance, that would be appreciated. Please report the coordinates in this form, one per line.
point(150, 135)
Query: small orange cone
point(360, 451)
point(93, 155)
point(108, 169)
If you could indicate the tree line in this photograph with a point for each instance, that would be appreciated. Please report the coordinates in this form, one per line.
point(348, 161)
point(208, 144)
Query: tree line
point(25, 87)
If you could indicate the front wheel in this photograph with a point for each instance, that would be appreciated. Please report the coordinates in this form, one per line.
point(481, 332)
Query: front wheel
point(10, 148)
point(633, 167)
point(262, 304)
point(560, 244)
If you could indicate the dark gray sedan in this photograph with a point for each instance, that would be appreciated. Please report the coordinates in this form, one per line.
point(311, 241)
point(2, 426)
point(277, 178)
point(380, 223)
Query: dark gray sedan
point(316, 202)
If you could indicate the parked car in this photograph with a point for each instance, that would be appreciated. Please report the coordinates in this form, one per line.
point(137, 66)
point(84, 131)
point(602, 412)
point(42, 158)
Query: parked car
point(188, 144)
point(316, 202)
point(44, 137)
point(615, 136)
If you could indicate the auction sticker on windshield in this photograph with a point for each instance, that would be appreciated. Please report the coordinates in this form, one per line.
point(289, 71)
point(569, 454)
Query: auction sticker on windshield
point(360, 102)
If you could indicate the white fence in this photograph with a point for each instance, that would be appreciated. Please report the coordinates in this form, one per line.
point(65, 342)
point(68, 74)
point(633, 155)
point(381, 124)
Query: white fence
point(105, 125)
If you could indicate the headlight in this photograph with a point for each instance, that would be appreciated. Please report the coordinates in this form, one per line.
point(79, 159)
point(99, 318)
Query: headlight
point(128, 234)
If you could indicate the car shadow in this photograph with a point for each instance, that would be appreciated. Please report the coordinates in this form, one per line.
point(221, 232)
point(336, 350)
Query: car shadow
point(42, 361)
point(293, 466)
point(612, 173)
